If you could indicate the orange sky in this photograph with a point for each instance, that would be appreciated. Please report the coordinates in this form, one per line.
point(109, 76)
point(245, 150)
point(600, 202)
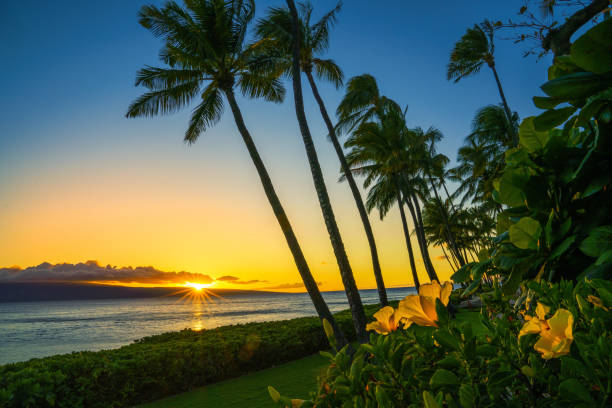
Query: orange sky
point(71, 212)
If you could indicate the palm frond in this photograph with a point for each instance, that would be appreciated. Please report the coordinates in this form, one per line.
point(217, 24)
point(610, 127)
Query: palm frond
point(155, 78)
point(164, 101)
point(255, 85)
point(328, 70)
point(206, 114)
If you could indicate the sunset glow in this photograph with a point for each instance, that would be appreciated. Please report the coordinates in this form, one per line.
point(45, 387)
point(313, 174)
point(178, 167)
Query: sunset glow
point(198, 287)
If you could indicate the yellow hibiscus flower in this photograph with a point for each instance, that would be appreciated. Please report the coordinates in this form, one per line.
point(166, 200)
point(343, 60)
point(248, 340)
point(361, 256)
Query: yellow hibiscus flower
point(421, 308)
point(556, 333)
point(387, 320)
point(535, 324)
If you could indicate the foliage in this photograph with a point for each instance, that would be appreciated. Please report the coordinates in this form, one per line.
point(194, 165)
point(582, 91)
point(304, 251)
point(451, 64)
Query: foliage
point(161, 365)
point(481, 363)
point(555, 185)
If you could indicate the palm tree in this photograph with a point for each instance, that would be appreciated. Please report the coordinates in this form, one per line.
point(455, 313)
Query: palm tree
point(432, 164)
point(475, 49)
point(481, 158)
point(350, 287)
point(275, 35)
point(204, 49)
point(363, 102)
point(377, 151)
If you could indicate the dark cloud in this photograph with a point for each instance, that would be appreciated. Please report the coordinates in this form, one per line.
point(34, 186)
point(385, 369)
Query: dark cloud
point(249, 282)
point(227, 278)
point(297, 285)
point(236, 280)
point(91, 271)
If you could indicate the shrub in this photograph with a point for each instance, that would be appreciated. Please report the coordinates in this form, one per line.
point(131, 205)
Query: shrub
point(556, 184)
point(471, 364)
point(161, 365)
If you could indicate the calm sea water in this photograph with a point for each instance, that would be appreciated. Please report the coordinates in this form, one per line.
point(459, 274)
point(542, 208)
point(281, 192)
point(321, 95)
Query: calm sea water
point(38, 329)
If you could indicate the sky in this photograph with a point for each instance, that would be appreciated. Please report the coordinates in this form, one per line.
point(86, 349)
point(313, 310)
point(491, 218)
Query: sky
point(80, 182)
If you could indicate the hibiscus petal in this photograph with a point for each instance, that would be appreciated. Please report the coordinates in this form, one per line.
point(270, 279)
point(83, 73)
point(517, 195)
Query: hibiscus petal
point(430, 290)
point(531, 327)
point(377, 327)
point(545, 346)
point(561, 324)
point(542, 311)
point(447, 288)
point(429, 307)
point(412, 308)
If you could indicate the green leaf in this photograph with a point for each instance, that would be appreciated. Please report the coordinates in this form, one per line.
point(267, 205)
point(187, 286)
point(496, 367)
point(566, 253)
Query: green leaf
point(575, 86)
point(501, 379)
point(552, 118)
point(513, 282)
point(275, 395)
point(443, 377)
point(429, 400)
point(449, 361)
point(447, 340)
point(593, 50)
point(562, 65)
point(525, 233)
point(503, 222)
point(528, 371)
point(486, 350)
point(544, 102)
point(530, 138)
point(467, 396)
point(598, 241)
point(573, 368)
point(573, 390)
point(596, 185)
point(604, 258)
point(382, 398)
point(463, 274)
point(510, 187)
point(562, 247)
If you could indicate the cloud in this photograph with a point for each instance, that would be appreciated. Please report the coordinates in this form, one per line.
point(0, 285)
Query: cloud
point(297, 285)
point(249, 282)
point(236, 280)
point(91, 271)
point(227, 278)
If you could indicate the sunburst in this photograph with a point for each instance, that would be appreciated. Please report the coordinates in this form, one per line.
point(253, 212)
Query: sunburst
point(196, 292)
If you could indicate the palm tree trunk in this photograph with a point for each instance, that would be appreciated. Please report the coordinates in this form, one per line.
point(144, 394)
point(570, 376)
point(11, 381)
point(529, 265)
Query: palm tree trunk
point(415, 276)
point(450, 200)
point(422, 245)
point(505, 103)
point(420, 229)
point(350, 287)
point(448, 259)
point(449, 233)
point(380, 284)
point(283, 221)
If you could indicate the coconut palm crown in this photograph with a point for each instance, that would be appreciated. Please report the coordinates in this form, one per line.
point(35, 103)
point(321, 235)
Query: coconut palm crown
point(206, 56)
point(471, 52)
point(275, 39)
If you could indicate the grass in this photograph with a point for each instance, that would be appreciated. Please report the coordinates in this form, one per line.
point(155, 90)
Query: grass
point(296, 379)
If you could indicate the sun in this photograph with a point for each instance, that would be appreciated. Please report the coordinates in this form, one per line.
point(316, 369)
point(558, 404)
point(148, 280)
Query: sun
point(198, 287)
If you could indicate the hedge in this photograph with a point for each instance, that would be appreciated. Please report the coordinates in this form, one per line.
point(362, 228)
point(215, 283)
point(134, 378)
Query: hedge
point(161, 365)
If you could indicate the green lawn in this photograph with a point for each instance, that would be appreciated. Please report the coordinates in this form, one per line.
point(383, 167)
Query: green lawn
point(294, 379)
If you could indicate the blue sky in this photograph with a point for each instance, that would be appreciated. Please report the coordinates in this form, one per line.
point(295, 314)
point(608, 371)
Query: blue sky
point(68, 73)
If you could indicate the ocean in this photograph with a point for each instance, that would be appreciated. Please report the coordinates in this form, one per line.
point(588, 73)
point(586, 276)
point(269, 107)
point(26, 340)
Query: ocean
point(39, 329)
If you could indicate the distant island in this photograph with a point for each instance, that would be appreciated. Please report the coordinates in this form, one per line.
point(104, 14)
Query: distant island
point(36, 292)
